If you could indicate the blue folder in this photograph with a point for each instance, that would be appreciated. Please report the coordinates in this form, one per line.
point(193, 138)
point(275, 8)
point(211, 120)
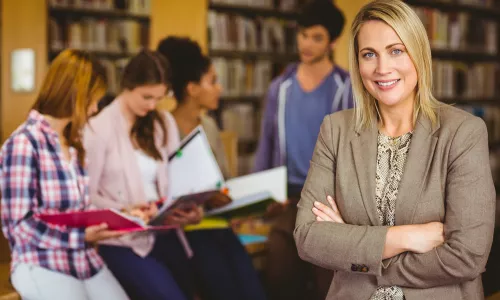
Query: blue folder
point(247, 239)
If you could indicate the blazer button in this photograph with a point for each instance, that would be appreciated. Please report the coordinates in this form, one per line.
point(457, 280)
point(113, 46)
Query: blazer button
point(355, 267)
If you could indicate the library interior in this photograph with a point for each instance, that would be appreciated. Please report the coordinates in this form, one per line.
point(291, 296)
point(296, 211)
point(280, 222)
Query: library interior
point(248, 43)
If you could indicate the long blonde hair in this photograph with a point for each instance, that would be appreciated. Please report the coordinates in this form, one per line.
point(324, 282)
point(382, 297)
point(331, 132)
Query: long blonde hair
point(412, 33)
point(73, 83)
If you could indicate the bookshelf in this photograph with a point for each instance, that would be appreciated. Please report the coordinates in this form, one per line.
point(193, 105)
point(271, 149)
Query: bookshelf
point(113, 31)
point(249, 44)
point(465, 41)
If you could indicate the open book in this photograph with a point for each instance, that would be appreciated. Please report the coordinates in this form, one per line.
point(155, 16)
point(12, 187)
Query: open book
point(115, 220)
point(193, 169)
point(252, 193)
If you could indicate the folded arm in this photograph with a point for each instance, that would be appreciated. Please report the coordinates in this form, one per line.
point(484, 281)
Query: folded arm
point(469, 221)
point(333, 245)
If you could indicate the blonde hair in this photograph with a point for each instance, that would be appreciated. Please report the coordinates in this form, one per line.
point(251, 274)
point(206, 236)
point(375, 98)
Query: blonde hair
point(73, 83)
point(412, 33)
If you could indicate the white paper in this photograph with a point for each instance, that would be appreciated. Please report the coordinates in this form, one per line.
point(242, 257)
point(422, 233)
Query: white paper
point(196, 169)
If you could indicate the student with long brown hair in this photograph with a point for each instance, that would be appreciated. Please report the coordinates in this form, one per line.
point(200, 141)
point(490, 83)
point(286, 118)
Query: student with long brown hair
point(128, 144)
point(42, 170)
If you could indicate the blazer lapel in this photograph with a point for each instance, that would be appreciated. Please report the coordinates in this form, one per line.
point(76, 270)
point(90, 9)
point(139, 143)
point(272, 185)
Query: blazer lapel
point(132, 173)
point(364, 151)
point(418, 161)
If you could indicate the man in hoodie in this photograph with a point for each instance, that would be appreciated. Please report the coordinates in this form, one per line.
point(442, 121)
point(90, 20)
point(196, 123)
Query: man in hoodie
point(297, 102)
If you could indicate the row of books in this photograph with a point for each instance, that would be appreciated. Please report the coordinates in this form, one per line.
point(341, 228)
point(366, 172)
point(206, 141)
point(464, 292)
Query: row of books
point(243, 78)
point(242, 119)
point(98, 35)
point(136, 7)
point(114, 72)
point(482, 3)
point(235, 32)
point(455, 79)
point(486, 3)
point(283, 5)
point(459, 31)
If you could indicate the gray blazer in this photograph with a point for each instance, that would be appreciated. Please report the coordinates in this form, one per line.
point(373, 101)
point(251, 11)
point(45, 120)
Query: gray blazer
point(447, 178)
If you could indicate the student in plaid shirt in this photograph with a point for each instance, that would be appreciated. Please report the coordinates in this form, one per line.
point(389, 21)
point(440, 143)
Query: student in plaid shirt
point(42, 171)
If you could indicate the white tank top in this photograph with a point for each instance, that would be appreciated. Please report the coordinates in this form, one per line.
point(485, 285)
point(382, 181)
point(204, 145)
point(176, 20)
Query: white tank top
point(149, 169)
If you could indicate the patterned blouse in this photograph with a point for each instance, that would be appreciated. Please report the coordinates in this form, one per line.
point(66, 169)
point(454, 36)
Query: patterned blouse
point(34, 179)
point(391, 158)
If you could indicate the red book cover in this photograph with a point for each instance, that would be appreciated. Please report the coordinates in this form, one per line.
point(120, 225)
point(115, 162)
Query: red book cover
point(114, 219)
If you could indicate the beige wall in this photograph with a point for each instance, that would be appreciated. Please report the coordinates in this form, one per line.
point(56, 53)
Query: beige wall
point(179, 17)
point(350, 9)
point(24, 25)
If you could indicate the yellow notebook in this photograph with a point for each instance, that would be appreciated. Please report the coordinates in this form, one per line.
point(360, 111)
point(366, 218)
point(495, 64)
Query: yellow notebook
point(209, 223)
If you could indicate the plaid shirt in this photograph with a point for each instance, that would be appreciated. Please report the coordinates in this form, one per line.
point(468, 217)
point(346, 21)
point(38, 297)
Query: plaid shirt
point(34, 178)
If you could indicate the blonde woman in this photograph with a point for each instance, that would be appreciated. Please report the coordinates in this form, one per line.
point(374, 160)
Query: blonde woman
point(411, 212)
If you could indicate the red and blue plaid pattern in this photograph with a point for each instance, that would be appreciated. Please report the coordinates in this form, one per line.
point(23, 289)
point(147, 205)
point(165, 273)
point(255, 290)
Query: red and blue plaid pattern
point(35, 178)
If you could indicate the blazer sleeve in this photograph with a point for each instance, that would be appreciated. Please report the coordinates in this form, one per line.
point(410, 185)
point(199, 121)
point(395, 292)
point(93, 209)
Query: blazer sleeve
point(341, 247)
point(469, 222)
point(96, 148)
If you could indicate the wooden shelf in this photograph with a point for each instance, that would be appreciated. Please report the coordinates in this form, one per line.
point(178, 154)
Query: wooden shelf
point(77, 13)
point(253, 12)
point(253, 55)
point(453, 6)
point(471, 101)
point(97, 54)
point(464, 55)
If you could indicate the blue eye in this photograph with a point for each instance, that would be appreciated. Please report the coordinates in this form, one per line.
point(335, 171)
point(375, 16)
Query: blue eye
point(369, 55)
point(397, 51)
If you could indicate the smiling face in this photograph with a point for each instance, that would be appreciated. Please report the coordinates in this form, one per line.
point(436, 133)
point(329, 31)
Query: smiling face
point(386, 69)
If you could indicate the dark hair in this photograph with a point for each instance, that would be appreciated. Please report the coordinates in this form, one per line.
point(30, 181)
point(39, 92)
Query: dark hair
point(324, 13)
point(73, 82)
point(147, 68)
point(187, 61)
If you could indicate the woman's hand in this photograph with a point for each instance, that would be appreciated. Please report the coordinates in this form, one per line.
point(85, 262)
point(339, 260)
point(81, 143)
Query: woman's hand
point(325, 213)
point(423, 238)
point(144, 211)
point(218, 200)
point(100, 232)
point(183, 217)
point(418, 238)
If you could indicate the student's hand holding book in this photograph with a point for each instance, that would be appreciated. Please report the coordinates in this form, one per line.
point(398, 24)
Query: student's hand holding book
point(144, 211)
point(188, 216)
point(218, 200)
point(100, 232)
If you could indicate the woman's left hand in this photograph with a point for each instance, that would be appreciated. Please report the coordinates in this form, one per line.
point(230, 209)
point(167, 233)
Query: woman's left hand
point(188, 216)
point(325, 213)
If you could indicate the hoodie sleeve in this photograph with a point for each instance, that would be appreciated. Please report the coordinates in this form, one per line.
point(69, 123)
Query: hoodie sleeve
point(265, 149)
point(347, 97)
